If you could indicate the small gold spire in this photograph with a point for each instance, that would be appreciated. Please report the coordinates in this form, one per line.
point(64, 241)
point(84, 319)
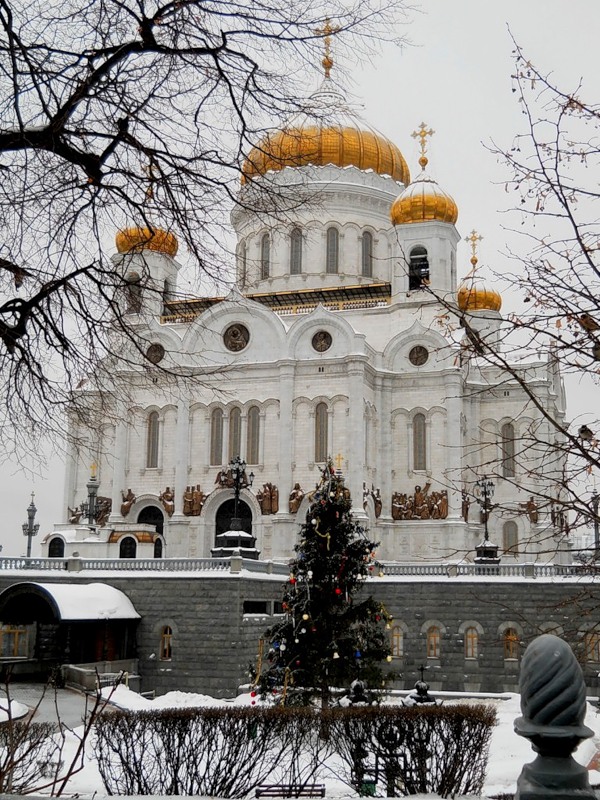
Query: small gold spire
point(473, 238)
point(422, 135)
point(326, 32)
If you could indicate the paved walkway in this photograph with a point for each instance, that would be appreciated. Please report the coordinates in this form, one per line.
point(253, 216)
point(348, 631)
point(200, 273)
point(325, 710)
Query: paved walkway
point(67, 705)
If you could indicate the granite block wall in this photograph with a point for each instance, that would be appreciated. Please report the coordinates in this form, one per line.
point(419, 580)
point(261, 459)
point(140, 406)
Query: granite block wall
point(214, 641)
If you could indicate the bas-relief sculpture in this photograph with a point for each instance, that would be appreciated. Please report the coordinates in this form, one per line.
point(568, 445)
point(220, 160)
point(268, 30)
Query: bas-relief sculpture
point(420, 504)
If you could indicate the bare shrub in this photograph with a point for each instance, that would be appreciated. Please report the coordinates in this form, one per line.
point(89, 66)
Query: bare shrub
point(429, 750)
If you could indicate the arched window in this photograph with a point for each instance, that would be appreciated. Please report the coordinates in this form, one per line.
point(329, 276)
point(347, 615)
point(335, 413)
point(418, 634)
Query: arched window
point(433, 642)
point(158, 548)
point(133, 284)
point(152, 441)
point(151, 515)
point(128, 547)
point(333, 250)
point(235, 432)
point(216, 437)
point(321, 420)
point(167, 291)
point(418, 268)
point(367, 254)
point(471, 642)
point(592, 646)
point(296, 252)
point(252, 438)
point(510, 639)
point(56, 548)
point(166, 643)
point(397, 643)
point(507, 433)
point(510, 538)
point(265, 256)
point(243, 265)
point(419, 442)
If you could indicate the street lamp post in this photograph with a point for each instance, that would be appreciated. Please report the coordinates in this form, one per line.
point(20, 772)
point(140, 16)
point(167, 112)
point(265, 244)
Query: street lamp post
point(30, 528)
point(484, 491)
point(487, 552)
point(235, 477)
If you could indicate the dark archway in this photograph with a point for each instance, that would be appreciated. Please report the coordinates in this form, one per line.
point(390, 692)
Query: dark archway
point(151, 515)
point(225, 515)
point(158, 548)
point(128, 547)
point(56, 548)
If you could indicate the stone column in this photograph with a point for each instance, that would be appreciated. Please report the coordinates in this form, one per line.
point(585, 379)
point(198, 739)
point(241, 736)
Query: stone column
point(119, 467)
point(384, 444)
point(286, 433)
point(355, 436)
point(453, 444)
point(182, 449)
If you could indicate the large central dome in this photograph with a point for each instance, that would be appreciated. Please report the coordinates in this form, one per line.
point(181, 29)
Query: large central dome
point(333, 134)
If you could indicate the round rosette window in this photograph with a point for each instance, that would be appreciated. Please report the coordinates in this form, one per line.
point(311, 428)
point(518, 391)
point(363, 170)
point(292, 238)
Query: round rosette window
point(236, 337)
point(155, 353)
point(418, 355)
point(321, 341)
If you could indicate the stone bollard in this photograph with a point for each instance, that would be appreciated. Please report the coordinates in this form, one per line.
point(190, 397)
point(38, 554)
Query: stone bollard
point(553, 706)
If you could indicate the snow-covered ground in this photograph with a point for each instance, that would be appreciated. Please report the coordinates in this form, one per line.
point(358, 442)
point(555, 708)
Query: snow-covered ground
point(508, 752)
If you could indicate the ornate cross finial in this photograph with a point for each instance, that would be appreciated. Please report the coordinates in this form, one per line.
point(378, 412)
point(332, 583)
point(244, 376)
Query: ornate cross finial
point(473, 238)
point(339, 460)
point(422, 135)
point(326, 32)
point(149, 169)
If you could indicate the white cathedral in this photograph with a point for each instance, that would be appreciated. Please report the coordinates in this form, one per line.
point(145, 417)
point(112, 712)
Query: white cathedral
point(342, 339)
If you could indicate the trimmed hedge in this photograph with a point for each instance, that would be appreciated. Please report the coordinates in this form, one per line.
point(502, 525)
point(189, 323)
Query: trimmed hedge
point(227, 752)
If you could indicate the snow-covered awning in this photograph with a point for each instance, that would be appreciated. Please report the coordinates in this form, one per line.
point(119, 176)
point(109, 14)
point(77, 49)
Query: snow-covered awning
point(77, 601)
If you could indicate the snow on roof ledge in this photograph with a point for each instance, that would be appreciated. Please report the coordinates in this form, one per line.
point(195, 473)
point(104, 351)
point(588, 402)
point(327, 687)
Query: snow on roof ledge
point(87, 601)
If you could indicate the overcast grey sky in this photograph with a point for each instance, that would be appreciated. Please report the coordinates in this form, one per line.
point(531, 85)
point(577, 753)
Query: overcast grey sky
point(455, 77)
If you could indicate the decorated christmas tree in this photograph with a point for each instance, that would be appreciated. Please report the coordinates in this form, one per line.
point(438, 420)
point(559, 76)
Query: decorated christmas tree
point(328, 637)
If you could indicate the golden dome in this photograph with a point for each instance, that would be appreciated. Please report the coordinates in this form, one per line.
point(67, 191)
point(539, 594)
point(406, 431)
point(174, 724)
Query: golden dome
point(137, 239)
point(341, 139)
point(423, 201)
point(474, 295)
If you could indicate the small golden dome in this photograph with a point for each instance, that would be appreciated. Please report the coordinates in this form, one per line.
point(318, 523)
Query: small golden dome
point(341, 139)
point(423, 201)
point(474, 295)
point(137, 239)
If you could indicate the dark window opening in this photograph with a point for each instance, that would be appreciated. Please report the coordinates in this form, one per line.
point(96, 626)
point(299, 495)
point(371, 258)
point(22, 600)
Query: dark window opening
point(56, 548)
point(152, 516)
point(418, 269)
point(128, 547)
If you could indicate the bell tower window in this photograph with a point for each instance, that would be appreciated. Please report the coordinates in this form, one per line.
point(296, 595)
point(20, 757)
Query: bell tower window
point(265, 257)
point(418, 269)
point(296, 252)
point(367, 254)
point(333, 251)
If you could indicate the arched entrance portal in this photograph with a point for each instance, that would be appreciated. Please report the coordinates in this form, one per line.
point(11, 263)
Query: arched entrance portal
point(234, 532)
point(151, 515)
point(226, 513)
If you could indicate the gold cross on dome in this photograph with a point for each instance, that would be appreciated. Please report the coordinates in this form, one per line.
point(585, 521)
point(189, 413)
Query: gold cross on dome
point(339, 460)
point(326, 32)
point(149, 169)
point(422, 133)
point(473, 238)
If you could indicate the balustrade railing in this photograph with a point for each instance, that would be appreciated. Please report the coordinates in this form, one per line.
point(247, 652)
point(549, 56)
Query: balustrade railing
point(236, 564)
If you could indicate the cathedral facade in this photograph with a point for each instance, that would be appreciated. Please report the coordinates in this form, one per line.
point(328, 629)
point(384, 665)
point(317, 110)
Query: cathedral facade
point(344, 338)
